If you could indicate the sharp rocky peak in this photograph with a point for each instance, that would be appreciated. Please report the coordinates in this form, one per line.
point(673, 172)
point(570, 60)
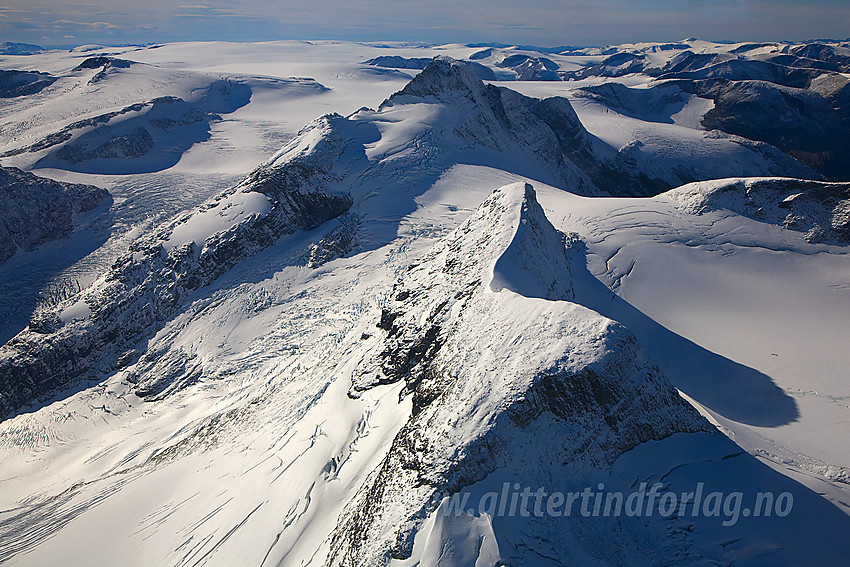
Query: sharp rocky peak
point(536, 260)
point(547, 385)
point(445, 78)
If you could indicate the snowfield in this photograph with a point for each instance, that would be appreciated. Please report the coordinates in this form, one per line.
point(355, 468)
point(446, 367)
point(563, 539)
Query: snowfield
point(340, 284)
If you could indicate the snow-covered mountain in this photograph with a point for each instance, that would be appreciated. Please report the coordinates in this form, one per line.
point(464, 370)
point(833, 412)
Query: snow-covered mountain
point(444, 115)
point(546, 386)
point(793, 96)
point(13, 48)
point(311, 361)
point(144, 136)
point(820, 210)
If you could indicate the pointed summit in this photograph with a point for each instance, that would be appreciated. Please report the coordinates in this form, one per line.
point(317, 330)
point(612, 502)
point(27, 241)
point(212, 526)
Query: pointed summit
point(536, 261)
point(445, 79)
point(498, 363)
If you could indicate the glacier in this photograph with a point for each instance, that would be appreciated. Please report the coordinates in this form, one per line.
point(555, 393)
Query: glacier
point(538, 278)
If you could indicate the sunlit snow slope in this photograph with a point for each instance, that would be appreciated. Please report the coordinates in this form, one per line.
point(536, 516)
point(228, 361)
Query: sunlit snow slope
point(300, 362)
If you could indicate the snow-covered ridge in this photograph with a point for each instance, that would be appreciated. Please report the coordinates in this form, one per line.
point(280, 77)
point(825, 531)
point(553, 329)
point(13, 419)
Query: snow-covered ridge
point(148, 285)
point(267, 428)
point(332, 164)
point(550, 132)
point(820, 210)
point(750, 85)
point(21, 83)
point(143, 136)
point(517, 271)
point(397, 62)
point(116, 115)
point(539, 362)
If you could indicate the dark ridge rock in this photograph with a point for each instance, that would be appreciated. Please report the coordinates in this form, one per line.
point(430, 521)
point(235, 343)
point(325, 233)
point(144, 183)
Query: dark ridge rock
point(67, 132)
point(549, 130)
point(669, 47)
point(22, 83)
point(617, 65)
point(103, 61)
point(573, 140)
point(821, 52)
point(747, 70)
point(149, 285)
point(36, 210)
point(135, 144)
point(151, 128)
point(549, 133)
point(443, 79)
point(397, 62)
point(802, 62)
point(531, 68)
point(337, 243)
point(483, 54)
point(519, 59)
point(689, 61)
point(836, 89)
point(646, 104)
point(801, 122)
point(751, 46)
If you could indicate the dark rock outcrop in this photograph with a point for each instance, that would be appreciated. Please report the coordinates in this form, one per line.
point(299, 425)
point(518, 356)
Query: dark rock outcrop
point(22, 83)
point(811, 125)
point(36, 210)
point(529, 68)
point(149, 285)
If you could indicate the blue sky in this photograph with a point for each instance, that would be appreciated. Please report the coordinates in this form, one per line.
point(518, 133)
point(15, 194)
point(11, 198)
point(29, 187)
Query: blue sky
point(536, 22)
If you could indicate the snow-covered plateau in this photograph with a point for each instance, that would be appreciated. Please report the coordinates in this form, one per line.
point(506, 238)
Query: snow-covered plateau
point(348, 304)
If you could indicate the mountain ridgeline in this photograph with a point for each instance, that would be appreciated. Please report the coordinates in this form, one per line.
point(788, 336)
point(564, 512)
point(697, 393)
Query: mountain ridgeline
point(317, 176)
point(463, 296)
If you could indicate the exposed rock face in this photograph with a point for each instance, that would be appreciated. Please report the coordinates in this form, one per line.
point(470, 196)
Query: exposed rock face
point(616, 65)
point(726, 66)
point(134, 144)
point(646, 104)
point(102, 61)
point(36, 210)
point(539, 362)
point(820, 210)
point(531, 68)
point(313, 179)
point(398, 62)
point(820, 52)
point(548, 130)
point(812, 125)
point(78, 152)
point(148, 286)
point(22, 83)
point(792, 97)
point(337, 243)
